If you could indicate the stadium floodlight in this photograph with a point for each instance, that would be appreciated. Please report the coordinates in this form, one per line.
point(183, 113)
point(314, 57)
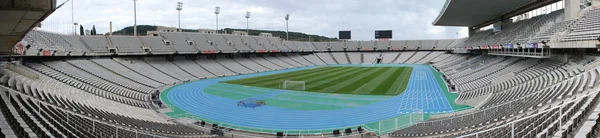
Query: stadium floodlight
point(217, 11)
point(134, 18)
point(75, 28)
point(179, 8)
point(247, 26)
point(287, 18)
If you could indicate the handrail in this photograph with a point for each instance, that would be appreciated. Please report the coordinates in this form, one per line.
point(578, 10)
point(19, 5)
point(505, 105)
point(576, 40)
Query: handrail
point(533, 115)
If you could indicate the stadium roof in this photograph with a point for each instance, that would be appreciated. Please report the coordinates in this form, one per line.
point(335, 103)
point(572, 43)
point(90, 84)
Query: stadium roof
point(476, 12)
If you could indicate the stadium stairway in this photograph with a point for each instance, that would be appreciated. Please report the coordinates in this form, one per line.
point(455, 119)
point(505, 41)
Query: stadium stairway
point(315, 61)
point(396, 57)
point(331, 55)
point(411, 56)
point(161, 71)
point(362, 58)
point(423, 58)
point(348, 58)
point(261, 65)
point(35, 118)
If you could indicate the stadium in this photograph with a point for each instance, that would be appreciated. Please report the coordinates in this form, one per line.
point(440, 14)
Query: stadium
point(528, 68)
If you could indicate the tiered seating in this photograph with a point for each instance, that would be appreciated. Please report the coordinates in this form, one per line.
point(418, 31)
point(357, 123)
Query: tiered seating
point(246, 62)
point(428, 44)
point(266, 63)
point(58, 41)
point(202, 43)
point(523, 72)
point(369, 58)
point(430, 56)
point(179, 42)
point(523, 31)
point(399, 45)
point(156, 44)
point(94, 69)
point(443, 44)
point(291, 45)
point(340, 58)
point(97, 44)
point(49, 115)
point(170, 69)
point(290, 61)
point(278, 43)
point(234, 41)
point(38, 41)
point(321, 45)
point(403, 57)
point(412, 44)
point(278, 62)
point(388, 57)
point(126, 72)
point(299, 59)
point(314, 59)
point(214, 67)
point(233, 66)
point(326, 57)
point(586, 28)
point(85, 81)
point(76, 42)
point(336, 46)
point(382, 44)
point(193, 69)
point(127, 44)
point(561, 26)
point(352, 45)
point(529, 88)
point(252, 43)
point(369, 45)
point(309, 46)
point(147, 70)
point(442, 56)
point(265, 43)
point(416, 57)
point(355, 58)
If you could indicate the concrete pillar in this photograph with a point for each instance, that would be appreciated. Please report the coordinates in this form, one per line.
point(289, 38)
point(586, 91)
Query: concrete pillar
point(572, 9)
point(471, 31)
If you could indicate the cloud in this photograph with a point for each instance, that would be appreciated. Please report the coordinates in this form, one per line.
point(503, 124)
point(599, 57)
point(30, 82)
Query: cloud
point(409, 19)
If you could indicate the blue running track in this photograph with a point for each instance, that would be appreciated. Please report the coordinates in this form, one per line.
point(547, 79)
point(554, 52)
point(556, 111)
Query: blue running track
point(422, 94)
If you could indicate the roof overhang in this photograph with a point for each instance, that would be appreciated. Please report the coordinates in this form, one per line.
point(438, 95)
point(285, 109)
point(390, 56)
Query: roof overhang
point(17, 17)
point(476, 12)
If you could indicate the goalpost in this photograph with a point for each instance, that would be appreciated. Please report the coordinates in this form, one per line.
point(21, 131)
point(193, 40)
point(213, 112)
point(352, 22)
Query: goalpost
point(293, 85)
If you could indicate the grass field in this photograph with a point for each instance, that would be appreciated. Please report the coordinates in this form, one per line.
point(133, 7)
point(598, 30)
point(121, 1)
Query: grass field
point(342, 80)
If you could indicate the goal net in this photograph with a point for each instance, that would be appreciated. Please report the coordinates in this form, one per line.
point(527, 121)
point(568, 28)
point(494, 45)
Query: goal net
point(293, 85)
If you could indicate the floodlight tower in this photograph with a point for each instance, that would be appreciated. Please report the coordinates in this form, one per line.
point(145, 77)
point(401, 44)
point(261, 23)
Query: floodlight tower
point(134, 18)
point(287, 17)
point(217, 11)
point(179, 8)
point(247, 26)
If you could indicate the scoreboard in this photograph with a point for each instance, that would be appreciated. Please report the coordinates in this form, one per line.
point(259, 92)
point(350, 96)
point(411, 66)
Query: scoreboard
point(383, 34)
point(345, 35)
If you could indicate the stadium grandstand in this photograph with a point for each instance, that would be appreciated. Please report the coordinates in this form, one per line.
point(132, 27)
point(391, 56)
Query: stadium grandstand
point(528, 68)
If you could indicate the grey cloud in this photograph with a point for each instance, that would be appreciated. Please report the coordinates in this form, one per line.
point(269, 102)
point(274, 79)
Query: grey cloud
point(409, 19)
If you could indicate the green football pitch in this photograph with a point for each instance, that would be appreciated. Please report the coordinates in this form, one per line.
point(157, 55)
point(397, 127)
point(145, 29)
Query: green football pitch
point(339, 80)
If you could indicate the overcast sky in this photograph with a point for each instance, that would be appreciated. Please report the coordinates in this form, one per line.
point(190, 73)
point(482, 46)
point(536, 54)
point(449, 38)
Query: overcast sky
point(409, 19)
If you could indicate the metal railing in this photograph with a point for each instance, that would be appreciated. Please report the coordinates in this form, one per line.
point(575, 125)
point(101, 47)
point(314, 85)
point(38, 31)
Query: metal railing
point(560, 113)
